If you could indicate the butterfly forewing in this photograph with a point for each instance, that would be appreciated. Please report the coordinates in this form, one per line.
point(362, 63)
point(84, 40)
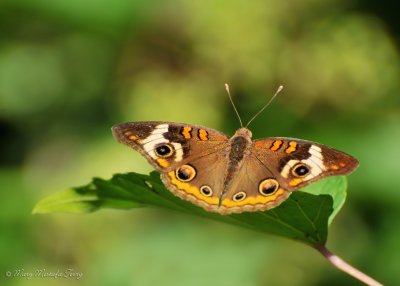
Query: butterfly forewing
point(297, 163)
point(169, 145)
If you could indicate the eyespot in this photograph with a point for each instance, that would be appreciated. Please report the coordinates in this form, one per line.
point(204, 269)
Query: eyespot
point(268, 187)
point(300, 170)
point(206, 191)
point(186, 173)
point(164, 150)
point(239, 196)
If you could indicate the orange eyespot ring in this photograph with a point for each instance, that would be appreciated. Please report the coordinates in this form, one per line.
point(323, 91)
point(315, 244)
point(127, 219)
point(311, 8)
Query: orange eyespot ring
point(300, 170)
point(239, 196)
point(268, 187)
point(206, 191)
point(186, 173)
point(164, 150)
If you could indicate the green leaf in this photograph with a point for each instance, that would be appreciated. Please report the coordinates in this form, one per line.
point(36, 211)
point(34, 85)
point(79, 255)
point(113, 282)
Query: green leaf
point(304, 216)
point(335, 187)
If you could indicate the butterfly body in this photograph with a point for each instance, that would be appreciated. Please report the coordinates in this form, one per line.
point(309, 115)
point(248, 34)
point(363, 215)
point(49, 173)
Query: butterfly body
point(231, 175)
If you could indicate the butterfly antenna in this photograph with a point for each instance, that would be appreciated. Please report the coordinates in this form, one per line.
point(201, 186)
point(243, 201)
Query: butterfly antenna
point(234, 107)
point(266, 105)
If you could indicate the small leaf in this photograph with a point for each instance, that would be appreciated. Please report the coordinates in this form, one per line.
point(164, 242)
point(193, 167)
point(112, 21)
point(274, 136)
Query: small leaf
point(71, 200)
point(335, 187)
point(304, 216)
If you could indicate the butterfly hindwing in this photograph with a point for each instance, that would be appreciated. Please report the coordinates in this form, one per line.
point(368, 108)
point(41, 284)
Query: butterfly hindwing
point(200, 180)
point(253, 188)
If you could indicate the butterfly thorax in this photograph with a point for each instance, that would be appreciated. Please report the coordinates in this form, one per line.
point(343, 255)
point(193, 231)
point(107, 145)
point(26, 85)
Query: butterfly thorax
point(239, 142)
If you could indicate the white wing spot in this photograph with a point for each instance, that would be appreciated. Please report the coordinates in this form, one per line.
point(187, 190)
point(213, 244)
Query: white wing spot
point(178, 151)
point(315, 162)
point(289, 165)
point(156, 138)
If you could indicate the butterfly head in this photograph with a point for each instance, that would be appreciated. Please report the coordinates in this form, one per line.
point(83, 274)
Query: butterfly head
point(243, 132)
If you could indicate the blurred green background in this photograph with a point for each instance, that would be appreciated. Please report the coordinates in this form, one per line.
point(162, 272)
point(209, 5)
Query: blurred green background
point(69, 70)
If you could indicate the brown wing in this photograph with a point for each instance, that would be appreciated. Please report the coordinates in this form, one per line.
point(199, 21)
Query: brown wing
point(200, 180)
point(192, 159)
point(296, 163)
point(277, 166)
point(253, 188)
point(168, 145)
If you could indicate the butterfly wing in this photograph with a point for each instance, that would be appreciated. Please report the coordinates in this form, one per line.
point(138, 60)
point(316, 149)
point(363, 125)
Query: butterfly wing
point(297, 163)
point(205, 187)
point(192, 159)
point(277, 166)
point(253, 188)
point(168, 145)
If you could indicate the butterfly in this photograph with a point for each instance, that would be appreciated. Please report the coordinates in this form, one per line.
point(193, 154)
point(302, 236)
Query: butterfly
point(231, 174)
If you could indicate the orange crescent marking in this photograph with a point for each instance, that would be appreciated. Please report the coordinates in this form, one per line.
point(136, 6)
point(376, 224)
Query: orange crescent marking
point(133, 137)
point(253, 200)
point(295, 182)
point(292, 147)
point(190, 189)
point(276, 145)
point(203, 135)
point(342, 164)
point(163, 163)
point(335, 167)
point(186, 132)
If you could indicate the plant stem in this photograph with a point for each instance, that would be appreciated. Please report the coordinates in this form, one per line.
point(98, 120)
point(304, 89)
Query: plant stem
point(345, 267)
